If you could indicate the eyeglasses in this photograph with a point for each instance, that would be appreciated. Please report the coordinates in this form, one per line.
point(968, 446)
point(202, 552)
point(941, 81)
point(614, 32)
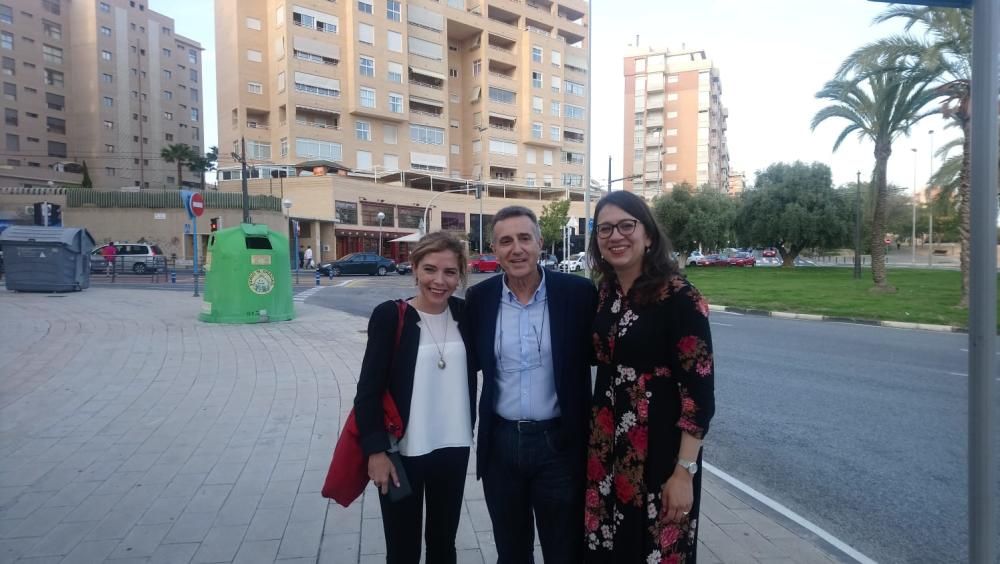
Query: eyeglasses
point(625, 227)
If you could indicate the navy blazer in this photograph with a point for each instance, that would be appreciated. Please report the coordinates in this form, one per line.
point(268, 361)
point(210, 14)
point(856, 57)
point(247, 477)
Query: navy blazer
point(379, 373)
point(572, 302)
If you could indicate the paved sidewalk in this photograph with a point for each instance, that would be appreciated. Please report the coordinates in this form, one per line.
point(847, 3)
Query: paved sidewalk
point(130, 432)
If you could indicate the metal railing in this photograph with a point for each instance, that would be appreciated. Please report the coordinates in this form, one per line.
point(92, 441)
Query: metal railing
point(83, 197)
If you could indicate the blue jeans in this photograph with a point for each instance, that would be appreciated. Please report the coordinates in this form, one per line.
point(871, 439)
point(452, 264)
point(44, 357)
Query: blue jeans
point(531, 477)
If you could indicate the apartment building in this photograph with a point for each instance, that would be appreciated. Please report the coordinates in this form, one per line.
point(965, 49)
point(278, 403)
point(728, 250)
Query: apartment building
point(470, 89)
point(737, 184)
point(106, 82)
point(674, 121)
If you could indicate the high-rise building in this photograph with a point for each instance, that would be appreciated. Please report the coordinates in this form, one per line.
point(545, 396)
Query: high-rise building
point(106, 82)
point(464, 89)
point(675, 123)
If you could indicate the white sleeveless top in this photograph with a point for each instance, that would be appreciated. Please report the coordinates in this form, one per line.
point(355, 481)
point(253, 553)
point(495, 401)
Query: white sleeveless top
point(439, 406)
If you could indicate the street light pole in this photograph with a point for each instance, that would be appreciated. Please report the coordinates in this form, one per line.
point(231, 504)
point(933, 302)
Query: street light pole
point(381, 218)
point(857, 230)
point(913, 234)
point(930, 207)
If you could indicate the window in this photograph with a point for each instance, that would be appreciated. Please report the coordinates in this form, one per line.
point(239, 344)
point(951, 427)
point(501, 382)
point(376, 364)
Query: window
point(477, 67)
point(574, 88)
point(168, 95)
point(393, 10)
point(258, 150)
point(672, 97)
point(367, 97)
point(108, 171)
point(426, 135)
point(547, 157)
point(536, 79)
point(10, 91)
point(556, 83)
point(6, 14)
point(281, 81)
point(671, 115)
point(52, 30)
point(52, 54)
point(346, 212)
point(168, 137)
point(55, 101)
point(9, 66)
point(365, 161)
point(10, 116)
point(105, 7)
point(362, 130)
point(107, 78)
point(194, 75)
point(105, 31)
point(52, 7)
point(452, 221)
point(556, 58)
point(167, 75)
point(105, 55)
point(501, 147)
point(395, 72)
point(670, 167)
point(108, 102)
point(366, 6)
point(194, 114)
point(167, 53)
point(254, 56)
point(554, 132)
point(394, 39)
point(13, 142)
point(537, 104)
point(57, 149)
point(193, 57)
point(536, 130)
point(366, 66)
point(279, 15)
point(536, 54)
point(390, 134)
point(255, 88)
point(284, 146)
point(554, 109)
point(574, 112)
point(502, 96)
point(53, 78)
point(671, 133)
point(366, 34)
point(670, 150)
point(321, 149)
point(6, 40)
point(672, 78)
point(253, 23)
point(395, 103)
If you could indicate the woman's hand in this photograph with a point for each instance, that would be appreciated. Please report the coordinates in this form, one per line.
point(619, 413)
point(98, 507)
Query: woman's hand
point(678, 495)
point(381, 470)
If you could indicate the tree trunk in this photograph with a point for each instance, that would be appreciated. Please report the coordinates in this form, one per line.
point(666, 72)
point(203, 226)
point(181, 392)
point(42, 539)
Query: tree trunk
point(964, 211)
point(882, 152)
point(180, 184)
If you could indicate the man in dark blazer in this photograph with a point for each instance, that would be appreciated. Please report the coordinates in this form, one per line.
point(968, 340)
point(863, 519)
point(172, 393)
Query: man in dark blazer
point(531, 339)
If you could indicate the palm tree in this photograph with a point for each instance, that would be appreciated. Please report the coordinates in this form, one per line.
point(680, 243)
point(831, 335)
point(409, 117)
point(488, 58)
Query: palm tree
point(878, 106)
point(944, 53)
point(179, 153)
point(202, 165)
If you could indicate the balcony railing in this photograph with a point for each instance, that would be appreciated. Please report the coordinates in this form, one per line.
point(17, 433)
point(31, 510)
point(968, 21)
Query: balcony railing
point(425, 84)
point(317, 124)
point(423, 113)
point(501, 75)
point(539, 31)
point(501, 48)
point(257, 125)
point(501, 127)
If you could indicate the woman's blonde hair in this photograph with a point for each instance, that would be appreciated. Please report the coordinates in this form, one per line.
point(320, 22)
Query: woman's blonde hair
point(437, 242)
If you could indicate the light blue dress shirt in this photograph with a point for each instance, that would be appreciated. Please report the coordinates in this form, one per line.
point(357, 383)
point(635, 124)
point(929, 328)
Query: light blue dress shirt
point(523, 353)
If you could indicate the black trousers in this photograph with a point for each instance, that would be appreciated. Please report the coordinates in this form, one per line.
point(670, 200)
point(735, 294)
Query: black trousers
point(531, 478)
point(438, 477)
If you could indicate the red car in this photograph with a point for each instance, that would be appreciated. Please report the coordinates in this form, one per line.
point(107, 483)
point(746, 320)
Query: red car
point(483, 263)
point(713, 260)
point(742, 259)
point(769, 253)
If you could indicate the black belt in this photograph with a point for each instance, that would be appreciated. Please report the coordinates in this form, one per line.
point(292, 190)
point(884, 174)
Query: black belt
point(528, 426)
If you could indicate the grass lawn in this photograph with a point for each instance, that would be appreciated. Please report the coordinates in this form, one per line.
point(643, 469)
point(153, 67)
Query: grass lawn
point(923, 296)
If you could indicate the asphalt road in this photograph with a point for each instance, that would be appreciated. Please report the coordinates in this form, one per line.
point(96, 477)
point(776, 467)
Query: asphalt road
point(860, 429)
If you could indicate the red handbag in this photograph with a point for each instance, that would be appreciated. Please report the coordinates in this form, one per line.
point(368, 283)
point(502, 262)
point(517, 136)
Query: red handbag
point(348, 474)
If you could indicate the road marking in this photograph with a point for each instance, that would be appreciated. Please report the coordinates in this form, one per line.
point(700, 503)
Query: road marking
point(301, 297)
point(964, 375)
point(967, 350)
point(731, 313)
point(800, 520)
point(723, 324)
point(344, 283)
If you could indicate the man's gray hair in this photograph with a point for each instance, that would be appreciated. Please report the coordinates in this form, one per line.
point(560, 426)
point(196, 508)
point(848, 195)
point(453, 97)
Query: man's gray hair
point(515, 211)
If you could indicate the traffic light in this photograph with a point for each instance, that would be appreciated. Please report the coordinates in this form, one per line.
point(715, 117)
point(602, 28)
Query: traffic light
point(214, 224)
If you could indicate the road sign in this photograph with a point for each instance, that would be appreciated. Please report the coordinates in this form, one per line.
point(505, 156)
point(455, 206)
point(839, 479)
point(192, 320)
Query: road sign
point(197, 204)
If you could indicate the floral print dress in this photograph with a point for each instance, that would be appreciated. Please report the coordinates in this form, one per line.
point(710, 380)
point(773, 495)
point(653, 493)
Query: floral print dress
point(655, 379)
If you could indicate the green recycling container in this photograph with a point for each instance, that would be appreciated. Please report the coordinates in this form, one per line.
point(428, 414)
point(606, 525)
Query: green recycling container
point(247, 276)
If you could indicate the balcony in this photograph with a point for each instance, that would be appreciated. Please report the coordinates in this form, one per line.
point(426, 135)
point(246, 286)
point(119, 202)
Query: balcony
point(538, 27)
point(315, 117)
point(419, 77)
point(570, 15)
point(571, 136)
point(503, 173)
point(502, 122)
point(256, 125)
point(426, 108)
point(501, 43)
point(570, 38)
point(502, 70)
point(540, 5)
point(258, 120)
point(502, 16)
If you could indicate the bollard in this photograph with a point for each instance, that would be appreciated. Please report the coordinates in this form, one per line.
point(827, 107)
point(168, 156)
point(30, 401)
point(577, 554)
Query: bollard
point(173, 276)
point(317, 278)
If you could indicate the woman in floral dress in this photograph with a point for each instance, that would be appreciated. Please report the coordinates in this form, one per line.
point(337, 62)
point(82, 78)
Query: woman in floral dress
point(654, 396)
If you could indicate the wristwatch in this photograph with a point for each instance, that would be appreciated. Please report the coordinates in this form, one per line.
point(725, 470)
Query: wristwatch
point(690, 466)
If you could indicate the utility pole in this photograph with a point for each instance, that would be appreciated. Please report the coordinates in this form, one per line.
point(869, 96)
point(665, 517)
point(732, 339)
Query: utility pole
point(857, 231)
point(913, 234)
point(142, 156)
point(242, 159)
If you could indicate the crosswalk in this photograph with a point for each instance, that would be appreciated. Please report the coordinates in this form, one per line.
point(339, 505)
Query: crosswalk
point(301, 297)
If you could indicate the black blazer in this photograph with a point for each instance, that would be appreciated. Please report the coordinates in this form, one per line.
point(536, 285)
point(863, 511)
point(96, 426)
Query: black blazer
point(376, 376)
point(572, 301)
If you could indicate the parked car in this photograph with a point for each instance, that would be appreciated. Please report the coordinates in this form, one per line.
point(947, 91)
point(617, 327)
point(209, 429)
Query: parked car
point(139, 258)
point(769, 252)
point(742, 259)
point(575, 263)
point(358, 263)
point(713, 260)
point(694, 257)
point(404, 267)
point(484, 263)
point(548, 261)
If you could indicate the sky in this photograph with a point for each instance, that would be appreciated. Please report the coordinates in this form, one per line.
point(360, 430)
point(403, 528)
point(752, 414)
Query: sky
point(772, 55)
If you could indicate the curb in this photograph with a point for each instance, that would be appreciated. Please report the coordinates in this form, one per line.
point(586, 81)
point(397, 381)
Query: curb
point(839, 319)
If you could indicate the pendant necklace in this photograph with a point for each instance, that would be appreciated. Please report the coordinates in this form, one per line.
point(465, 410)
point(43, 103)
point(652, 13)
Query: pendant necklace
point(440, 363)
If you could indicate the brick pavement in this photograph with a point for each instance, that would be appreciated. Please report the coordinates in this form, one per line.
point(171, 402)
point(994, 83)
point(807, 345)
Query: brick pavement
point(130, 432)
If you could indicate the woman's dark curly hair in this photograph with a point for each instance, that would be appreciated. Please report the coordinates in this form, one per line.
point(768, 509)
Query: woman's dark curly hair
point(657, 264)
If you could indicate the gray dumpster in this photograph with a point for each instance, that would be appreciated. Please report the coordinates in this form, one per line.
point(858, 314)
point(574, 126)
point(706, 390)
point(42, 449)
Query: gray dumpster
point(46, 259)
